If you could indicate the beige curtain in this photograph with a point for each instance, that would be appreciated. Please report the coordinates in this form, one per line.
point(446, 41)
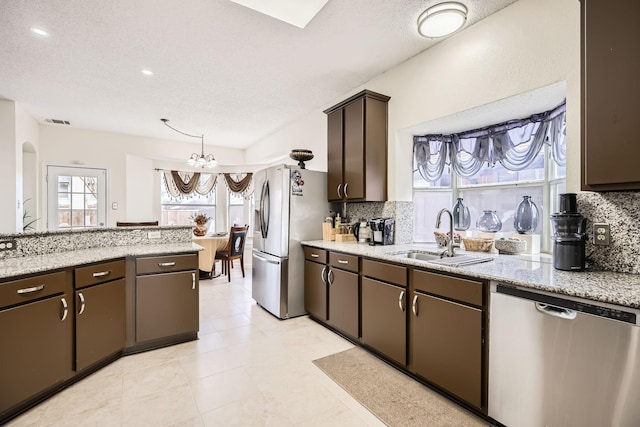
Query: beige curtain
point(242, 186)
point(188, 183)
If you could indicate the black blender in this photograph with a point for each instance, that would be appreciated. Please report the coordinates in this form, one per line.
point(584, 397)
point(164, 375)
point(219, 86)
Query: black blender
point(569, 235)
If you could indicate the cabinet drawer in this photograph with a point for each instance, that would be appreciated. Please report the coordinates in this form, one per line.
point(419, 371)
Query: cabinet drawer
point(464, 290)
point(386, 272)
point(314, 254)
point(99, 273)
point(343, 261)
point(165, 264)
point(23, 290)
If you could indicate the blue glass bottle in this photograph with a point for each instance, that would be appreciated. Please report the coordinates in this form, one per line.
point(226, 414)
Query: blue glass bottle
point(525, 219)
point(489, 222)
point(461, 216)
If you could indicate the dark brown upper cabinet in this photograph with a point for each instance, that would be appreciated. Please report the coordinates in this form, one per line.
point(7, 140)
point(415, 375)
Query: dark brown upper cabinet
point(610, 62)
point(357, 148)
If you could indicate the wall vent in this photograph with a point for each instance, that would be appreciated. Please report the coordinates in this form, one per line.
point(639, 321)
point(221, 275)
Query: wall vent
point(57, 122)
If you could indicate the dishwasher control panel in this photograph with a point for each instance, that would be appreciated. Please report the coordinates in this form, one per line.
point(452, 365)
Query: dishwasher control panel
point(594, 309)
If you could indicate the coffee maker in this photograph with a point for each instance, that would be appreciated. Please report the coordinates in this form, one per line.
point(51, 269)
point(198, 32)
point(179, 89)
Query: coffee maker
point(382, 230)
point(569, 235)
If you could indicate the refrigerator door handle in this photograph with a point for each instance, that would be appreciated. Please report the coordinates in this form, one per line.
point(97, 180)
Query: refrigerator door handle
point(264, 208)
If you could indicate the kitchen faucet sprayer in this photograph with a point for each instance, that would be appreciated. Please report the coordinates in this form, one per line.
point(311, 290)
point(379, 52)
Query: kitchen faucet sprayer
point(449, 251)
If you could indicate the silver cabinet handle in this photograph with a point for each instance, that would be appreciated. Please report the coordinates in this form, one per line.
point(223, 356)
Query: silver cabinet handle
point(193, 280)
point(324, 270)
point(65, 309)
point(414, 305)
point(342, 261)
point(346, 195)
point(552, 310)
point(329, 277)
point(315, 256)
point(166, 264)
point(401, 301)
point(338, 190)
point(81, 297)
point(102, 273)
point(31, 290)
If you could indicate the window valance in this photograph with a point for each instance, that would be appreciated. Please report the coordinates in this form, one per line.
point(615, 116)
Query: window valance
point(515, 144)
point(181, 184)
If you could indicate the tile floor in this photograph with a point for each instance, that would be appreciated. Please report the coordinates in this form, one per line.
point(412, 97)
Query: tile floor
point(247, 369)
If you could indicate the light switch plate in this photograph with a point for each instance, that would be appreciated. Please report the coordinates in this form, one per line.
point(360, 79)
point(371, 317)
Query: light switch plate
point(601, 234)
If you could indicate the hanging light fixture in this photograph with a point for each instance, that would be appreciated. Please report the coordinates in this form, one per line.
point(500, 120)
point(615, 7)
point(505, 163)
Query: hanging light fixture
point(442, 19)
point(196, 160)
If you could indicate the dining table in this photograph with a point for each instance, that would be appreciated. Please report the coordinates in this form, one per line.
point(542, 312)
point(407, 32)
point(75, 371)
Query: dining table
point(207, 256)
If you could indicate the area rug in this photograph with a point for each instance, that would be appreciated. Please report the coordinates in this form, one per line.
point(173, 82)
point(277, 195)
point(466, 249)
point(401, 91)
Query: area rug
point(393, 397)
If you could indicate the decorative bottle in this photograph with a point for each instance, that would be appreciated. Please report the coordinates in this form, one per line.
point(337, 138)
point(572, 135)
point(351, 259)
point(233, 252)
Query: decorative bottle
point(489, 222)
point(525, 219)
point(461, 216)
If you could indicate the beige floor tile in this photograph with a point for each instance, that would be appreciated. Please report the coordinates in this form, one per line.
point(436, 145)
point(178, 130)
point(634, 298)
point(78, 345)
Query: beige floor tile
point(256, 412)
point(165, 407)
point(222, 389)
point(145, 381)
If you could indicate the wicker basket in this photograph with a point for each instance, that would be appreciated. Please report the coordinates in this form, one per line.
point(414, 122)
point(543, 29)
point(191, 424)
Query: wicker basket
point(442, 239)
point(478, 245)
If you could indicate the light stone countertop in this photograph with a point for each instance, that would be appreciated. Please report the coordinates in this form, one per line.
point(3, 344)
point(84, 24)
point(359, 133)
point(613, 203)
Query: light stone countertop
point(530, 271)
point(19, 266)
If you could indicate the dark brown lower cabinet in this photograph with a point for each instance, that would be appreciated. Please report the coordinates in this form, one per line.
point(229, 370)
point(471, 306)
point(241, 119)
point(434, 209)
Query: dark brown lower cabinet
point(343, 301)
point(166, 305)
point(315, 290)
point(384, 320)
point(100, 322)
point(36, 348)
point(446, 345)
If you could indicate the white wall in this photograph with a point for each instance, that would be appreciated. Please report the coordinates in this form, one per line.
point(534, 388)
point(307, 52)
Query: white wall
point(9, 167)
point(528, 45)
point(129, 161)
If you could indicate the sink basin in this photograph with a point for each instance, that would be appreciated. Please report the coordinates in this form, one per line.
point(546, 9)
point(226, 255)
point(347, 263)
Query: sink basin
point(457, 260)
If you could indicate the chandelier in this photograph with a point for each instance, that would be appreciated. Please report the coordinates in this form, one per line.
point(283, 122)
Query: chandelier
point(196, 160)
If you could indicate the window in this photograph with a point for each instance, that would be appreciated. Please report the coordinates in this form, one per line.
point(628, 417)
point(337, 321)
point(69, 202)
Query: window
point(470, 165)
point(236, 208)
point(76, 197)
point(181, 210)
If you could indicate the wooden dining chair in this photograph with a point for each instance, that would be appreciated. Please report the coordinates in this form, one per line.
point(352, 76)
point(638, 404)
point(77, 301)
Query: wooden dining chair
point(234, 250)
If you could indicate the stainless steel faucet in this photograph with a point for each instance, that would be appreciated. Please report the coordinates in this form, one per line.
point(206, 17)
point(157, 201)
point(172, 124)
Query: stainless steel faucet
point(449, 251)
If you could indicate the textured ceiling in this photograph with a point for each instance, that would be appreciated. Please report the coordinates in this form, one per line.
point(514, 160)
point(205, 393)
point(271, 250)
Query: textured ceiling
point(220, 69)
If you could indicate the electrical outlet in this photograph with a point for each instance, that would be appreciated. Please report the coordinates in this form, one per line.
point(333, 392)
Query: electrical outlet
point(7, 245)
point(154, 234)
point(601, 234)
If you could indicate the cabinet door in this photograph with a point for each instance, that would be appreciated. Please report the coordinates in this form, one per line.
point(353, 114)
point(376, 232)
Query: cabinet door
point(166, 305)
point(446, 345)
point(36, 348)
point(100, 322)
point(611, 94)
point(315, 290)
point(334, 155)
point(343, 301)
point(384, 320)
point(354, 150)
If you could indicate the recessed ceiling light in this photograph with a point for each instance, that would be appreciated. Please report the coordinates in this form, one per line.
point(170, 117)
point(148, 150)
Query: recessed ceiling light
point(39, 31)
point(442, 19)
point(147, 72)
point(294, 12)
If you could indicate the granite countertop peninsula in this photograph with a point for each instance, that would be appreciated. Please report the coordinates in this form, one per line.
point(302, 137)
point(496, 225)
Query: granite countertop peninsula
point(41, 251)
point(529, 271)
point(19, 266)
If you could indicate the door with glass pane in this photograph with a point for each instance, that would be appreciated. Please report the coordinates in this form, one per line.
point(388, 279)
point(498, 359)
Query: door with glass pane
point(76, 197)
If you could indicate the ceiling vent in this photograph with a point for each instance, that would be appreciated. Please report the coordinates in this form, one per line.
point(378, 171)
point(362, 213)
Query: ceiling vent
point(57, 122)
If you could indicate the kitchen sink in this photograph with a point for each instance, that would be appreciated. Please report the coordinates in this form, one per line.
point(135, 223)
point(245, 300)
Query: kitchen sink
point(457, 260)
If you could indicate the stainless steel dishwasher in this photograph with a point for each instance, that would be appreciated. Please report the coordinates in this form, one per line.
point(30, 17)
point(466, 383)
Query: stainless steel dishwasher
point(557, 361)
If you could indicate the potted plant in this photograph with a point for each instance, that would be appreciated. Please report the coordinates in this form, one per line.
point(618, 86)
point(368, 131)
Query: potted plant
point(201, 220)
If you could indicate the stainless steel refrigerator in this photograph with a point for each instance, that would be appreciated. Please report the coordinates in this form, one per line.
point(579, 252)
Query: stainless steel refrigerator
point(290, 206)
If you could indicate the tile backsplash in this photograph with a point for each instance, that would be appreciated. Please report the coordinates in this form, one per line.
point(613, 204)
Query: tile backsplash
point(621, 210)
point(402, 212)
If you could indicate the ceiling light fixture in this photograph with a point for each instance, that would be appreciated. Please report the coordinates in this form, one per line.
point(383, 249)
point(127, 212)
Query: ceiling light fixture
point(39, 31)
point(442, 19)
point(197, 160)
point(147, 72)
